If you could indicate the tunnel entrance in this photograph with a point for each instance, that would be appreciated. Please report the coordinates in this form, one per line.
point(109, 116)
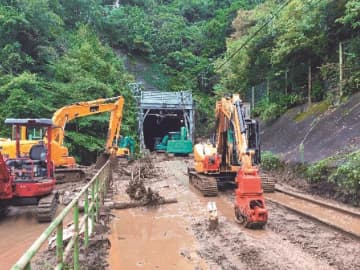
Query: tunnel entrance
point(161, 113)
point(159, 123)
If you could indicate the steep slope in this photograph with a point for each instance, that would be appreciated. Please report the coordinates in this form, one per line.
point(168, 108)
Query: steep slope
point(322, 133)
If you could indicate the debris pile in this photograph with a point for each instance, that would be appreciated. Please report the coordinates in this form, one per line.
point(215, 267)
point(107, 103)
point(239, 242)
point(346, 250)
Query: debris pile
point(137, 191)
point(145, 169)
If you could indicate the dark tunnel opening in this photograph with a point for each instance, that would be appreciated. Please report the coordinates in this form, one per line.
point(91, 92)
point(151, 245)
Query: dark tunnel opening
point(158, 123)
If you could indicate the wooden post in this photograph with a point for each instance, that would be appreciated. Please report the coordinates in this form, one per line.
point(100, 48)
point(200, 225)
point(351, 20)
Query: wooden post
point(252, 98)
point(286, 81)
point(340, 69)
point(309, 83)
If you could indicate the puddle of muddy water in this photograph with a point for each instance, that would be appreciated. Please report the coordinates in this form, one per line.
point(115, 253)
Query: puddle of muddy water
point(17, 232)
point(226, 209)
point(330, 216)
point(151, 239)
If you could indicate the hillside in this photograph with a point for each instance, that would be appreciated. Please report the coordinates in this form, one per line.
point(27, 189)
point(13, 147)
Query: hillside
point(324, 132)
point(287, 51)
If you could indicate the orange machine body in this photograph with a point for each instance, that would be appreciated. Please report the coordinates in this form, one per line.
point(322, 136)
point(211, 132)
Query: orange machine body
point(234, 153)
point(249, 199)
point(60, 154)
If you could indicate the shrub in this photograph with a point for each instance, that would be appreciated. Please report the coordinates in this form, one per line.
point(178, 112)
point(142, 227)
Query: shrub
point(270, 161)
point(274, 106)
point(319, 171)
point(347, 175)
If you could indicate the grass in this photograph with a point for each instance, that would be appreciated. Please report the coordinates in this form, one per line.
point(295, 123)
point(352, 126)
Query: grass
point(314, 109)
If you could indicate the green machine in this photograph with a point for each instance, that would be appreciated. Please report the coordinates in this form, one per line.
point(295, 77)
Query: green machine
point(175, 143)
point(126, 147)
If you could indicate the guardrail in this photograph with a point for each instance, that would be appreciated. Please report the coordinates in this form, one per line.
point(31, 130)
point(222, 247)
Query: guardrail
point(96, 188)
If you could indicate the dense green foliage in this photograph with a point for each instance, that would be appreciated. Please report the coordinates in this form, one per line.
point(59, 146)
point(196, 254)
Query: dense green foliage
point(277, 58)
point(55, 52)
point(343, 170)
point(183, 38)
point(347, 175)
point(319, 171)
point(270, 161)
point(51, 56)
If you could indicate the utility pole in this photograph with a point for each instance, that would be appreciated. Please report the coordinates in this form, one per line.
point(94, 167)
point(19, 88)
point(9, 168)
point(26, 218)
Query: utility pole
point(340, 69)
point(309, 83)
point(252, 97)
point(286, 80)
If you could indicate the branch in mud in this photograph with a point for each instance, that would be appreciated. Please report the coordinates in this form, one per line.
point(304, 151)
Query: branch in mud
point(137, 191)
point(125, 205)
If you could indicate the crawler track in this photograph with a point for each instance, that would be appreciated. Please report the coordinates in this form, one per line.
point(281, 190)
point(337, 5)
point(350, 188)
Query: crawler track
point(46, 208)
point(207, 185)
point(65, 175)
point(340, 218)
point(268, 183)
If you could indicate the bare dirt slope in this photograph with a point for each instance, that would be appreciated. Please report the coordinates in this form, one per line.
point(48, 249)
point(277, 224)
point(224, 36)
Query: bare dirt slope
point(176, 236)
point(323, 133)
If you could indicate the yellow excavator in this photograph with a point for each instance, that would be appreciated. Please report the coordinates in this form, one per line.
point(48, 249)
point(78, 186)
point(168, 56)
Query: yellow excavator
point(66, 168)
point(234, 160)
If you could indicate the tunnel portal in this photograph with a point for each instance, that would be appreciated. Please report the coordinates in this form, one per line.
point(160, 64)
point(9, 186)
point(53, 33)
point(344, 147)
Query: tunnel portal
point(159, 123)
point(163, 112)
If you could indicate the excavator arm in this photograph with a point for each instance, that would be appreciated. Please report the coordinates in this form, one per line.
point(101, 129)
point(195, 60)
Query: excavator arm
point(65, 114)
point(81, 109)
point(232, 140)
point(115, 125)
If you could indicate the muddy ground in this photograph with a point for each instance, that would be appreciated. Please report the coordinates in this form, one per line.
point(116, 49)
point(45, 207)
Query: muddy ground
point(20, 228)
point(292, 176)
point(176, 236)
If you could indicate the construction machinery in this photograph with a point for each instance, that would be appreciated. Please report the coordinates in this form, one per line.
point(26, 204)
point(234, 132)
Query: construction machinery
point(233, 159)
point(66, 167)
point(126, 147)
point(29, 180)
point(29, 136)
point(176, 143)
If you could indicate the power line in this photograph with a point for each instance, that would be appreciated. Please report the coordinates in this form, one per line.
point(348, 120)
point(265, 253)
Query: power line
point(284, 4)
point(273, 15)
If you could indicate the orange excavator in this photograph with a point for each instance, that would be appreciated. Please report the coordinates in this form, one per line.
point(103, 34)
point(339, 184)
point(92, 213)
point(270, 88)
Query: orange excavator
point(66, 167)
point(234, 159)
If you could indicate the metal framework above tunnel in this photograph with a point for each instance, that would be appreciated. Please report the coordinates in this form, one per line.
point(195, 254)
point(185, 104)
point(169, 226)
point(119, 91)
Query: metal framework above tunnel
point(157, 101)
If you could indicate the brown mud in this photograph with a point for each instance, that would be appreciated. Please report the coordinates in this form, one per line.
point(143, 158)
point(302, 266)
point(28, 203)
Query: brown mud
point(291, 176)
point(152, 237)
point(20, 228)
point(17, 232)
point(176, 236)
point(333, 217)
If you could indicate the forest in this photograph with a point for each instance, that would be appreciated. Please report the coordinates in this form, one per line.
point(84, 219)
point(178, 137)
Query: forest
point(56, 52)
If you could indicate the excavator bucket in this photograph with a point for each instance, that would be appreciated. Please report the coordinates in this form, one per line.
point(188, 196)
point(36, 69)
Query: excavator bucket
point(250, 204)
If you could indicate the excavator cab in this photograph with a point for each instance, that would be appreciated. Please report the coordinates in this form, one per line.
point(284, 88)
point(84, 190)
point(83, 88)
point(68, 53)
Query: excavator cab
point(253, 138)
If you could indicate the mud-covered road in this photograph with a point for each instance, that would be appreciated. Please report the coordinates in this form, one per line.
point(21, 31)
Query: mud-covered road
point(17, 232)
point(20, 228)
point(176, 236)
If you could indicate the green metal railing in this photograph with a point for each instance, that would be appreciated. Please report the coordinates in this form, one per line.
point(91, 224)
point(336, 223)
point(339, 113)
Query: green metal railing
point(96, 188)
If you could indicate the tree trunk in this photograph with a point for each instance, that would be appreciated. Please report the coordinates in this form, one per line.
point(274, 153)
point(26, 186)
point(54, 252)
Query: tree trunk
point(125, 205)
